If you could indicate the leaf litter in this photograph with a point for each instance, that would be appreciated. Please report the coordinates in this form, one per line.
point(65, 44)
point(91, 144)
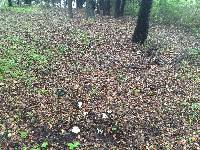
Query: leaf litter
point(87, 76)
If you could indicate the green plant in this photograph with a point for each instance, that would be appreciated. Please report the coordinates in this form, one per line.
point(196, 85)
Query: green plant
point(171, 12)
point(23, 134)
point(192, 111)
point(73, 145)
point(17, 57)
point(94, 92)
point(121, 78)
point(24, 147)
point(1, 78)
point(33, 56)
point(61, 49)
point(114, 129)
point(42, 91)
point(44, 145)
point(194, 114)
point(16, 117)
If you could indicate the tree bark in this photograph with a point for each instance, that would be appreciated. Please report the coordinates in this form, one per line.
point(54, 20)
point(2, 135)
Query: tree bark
point(27, 2)
point(70, 9)
point(79, 3)
point(90, 6)
point(107, 6)
point(10, 3)
point(142, 27)
point(53, 2)
point(123, 2)
point(65, 3)
point(117, 8)
point(18, 2)
point(98, 7)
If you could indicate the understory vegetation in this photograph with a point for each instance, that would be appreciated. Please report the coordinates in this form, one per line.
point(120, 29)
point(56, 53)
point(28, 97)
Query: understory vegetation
point(180, 13)
point(82, 84)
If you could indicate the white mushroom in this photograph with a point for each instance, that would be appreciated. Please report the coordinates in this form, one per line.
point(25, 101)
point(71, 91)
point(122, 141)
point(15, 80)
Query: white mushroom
point(76, 129)
point(104, 115)
point(80, 104)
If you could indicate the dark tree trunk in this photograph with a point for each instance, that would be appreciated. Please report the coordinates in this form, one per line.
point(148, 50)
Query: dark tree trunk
point(10, 3)
point(18, 2)
point(27, 2)
point(98, 7)
point(106, 7)
point(90, 7)
point(65, 3)
point(53, 2)
point(123, 2)
point(117, 8)
point(142, 27)
point(103, 7)
point(70, 9)
point(79, 3)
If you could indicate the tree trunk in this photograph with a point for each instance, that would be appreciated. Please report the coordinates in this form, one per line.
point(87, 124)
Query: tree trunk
point(53, 2)
point(123, 2)
point(10, 3)
point(142, 27)
point(106, 10)
point(27, 2)
point(18, 2)
point(90, 6)
point(70, 9)
point(47, 2)
point(98, 7)
point(65, 3)
point(117, 8)
point(79, 3)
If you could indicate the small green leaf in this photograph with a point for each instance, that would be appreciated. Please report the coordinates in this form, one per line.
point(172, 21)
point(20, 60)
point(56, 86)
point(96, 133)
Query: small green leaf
point(23, 134)
point(195, 106)
point(76, 144)
point(73, 145)
point(44, 144)
point(16, 146)
point(24, 147)
point(114, 129)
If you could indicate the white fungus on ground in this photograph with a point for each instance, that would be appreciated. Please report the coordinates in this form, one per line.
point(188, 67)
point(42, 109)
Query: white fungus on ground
point(104, 116)
point(109, 111)
point(99, 131)
point(80, 104)
point(76, 129)
point(85, 113)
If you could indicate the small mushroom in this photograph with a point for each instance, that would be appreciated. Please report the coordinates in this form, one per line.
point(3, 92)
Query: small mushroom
point(76, 129)
point(104, 116)
point(99, 131)
point(80, 104)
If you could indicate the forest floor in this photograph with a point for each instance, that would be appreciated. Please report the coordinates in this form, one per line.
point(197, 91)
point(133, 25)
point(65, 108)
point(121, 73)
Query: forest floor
point(82, 83)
